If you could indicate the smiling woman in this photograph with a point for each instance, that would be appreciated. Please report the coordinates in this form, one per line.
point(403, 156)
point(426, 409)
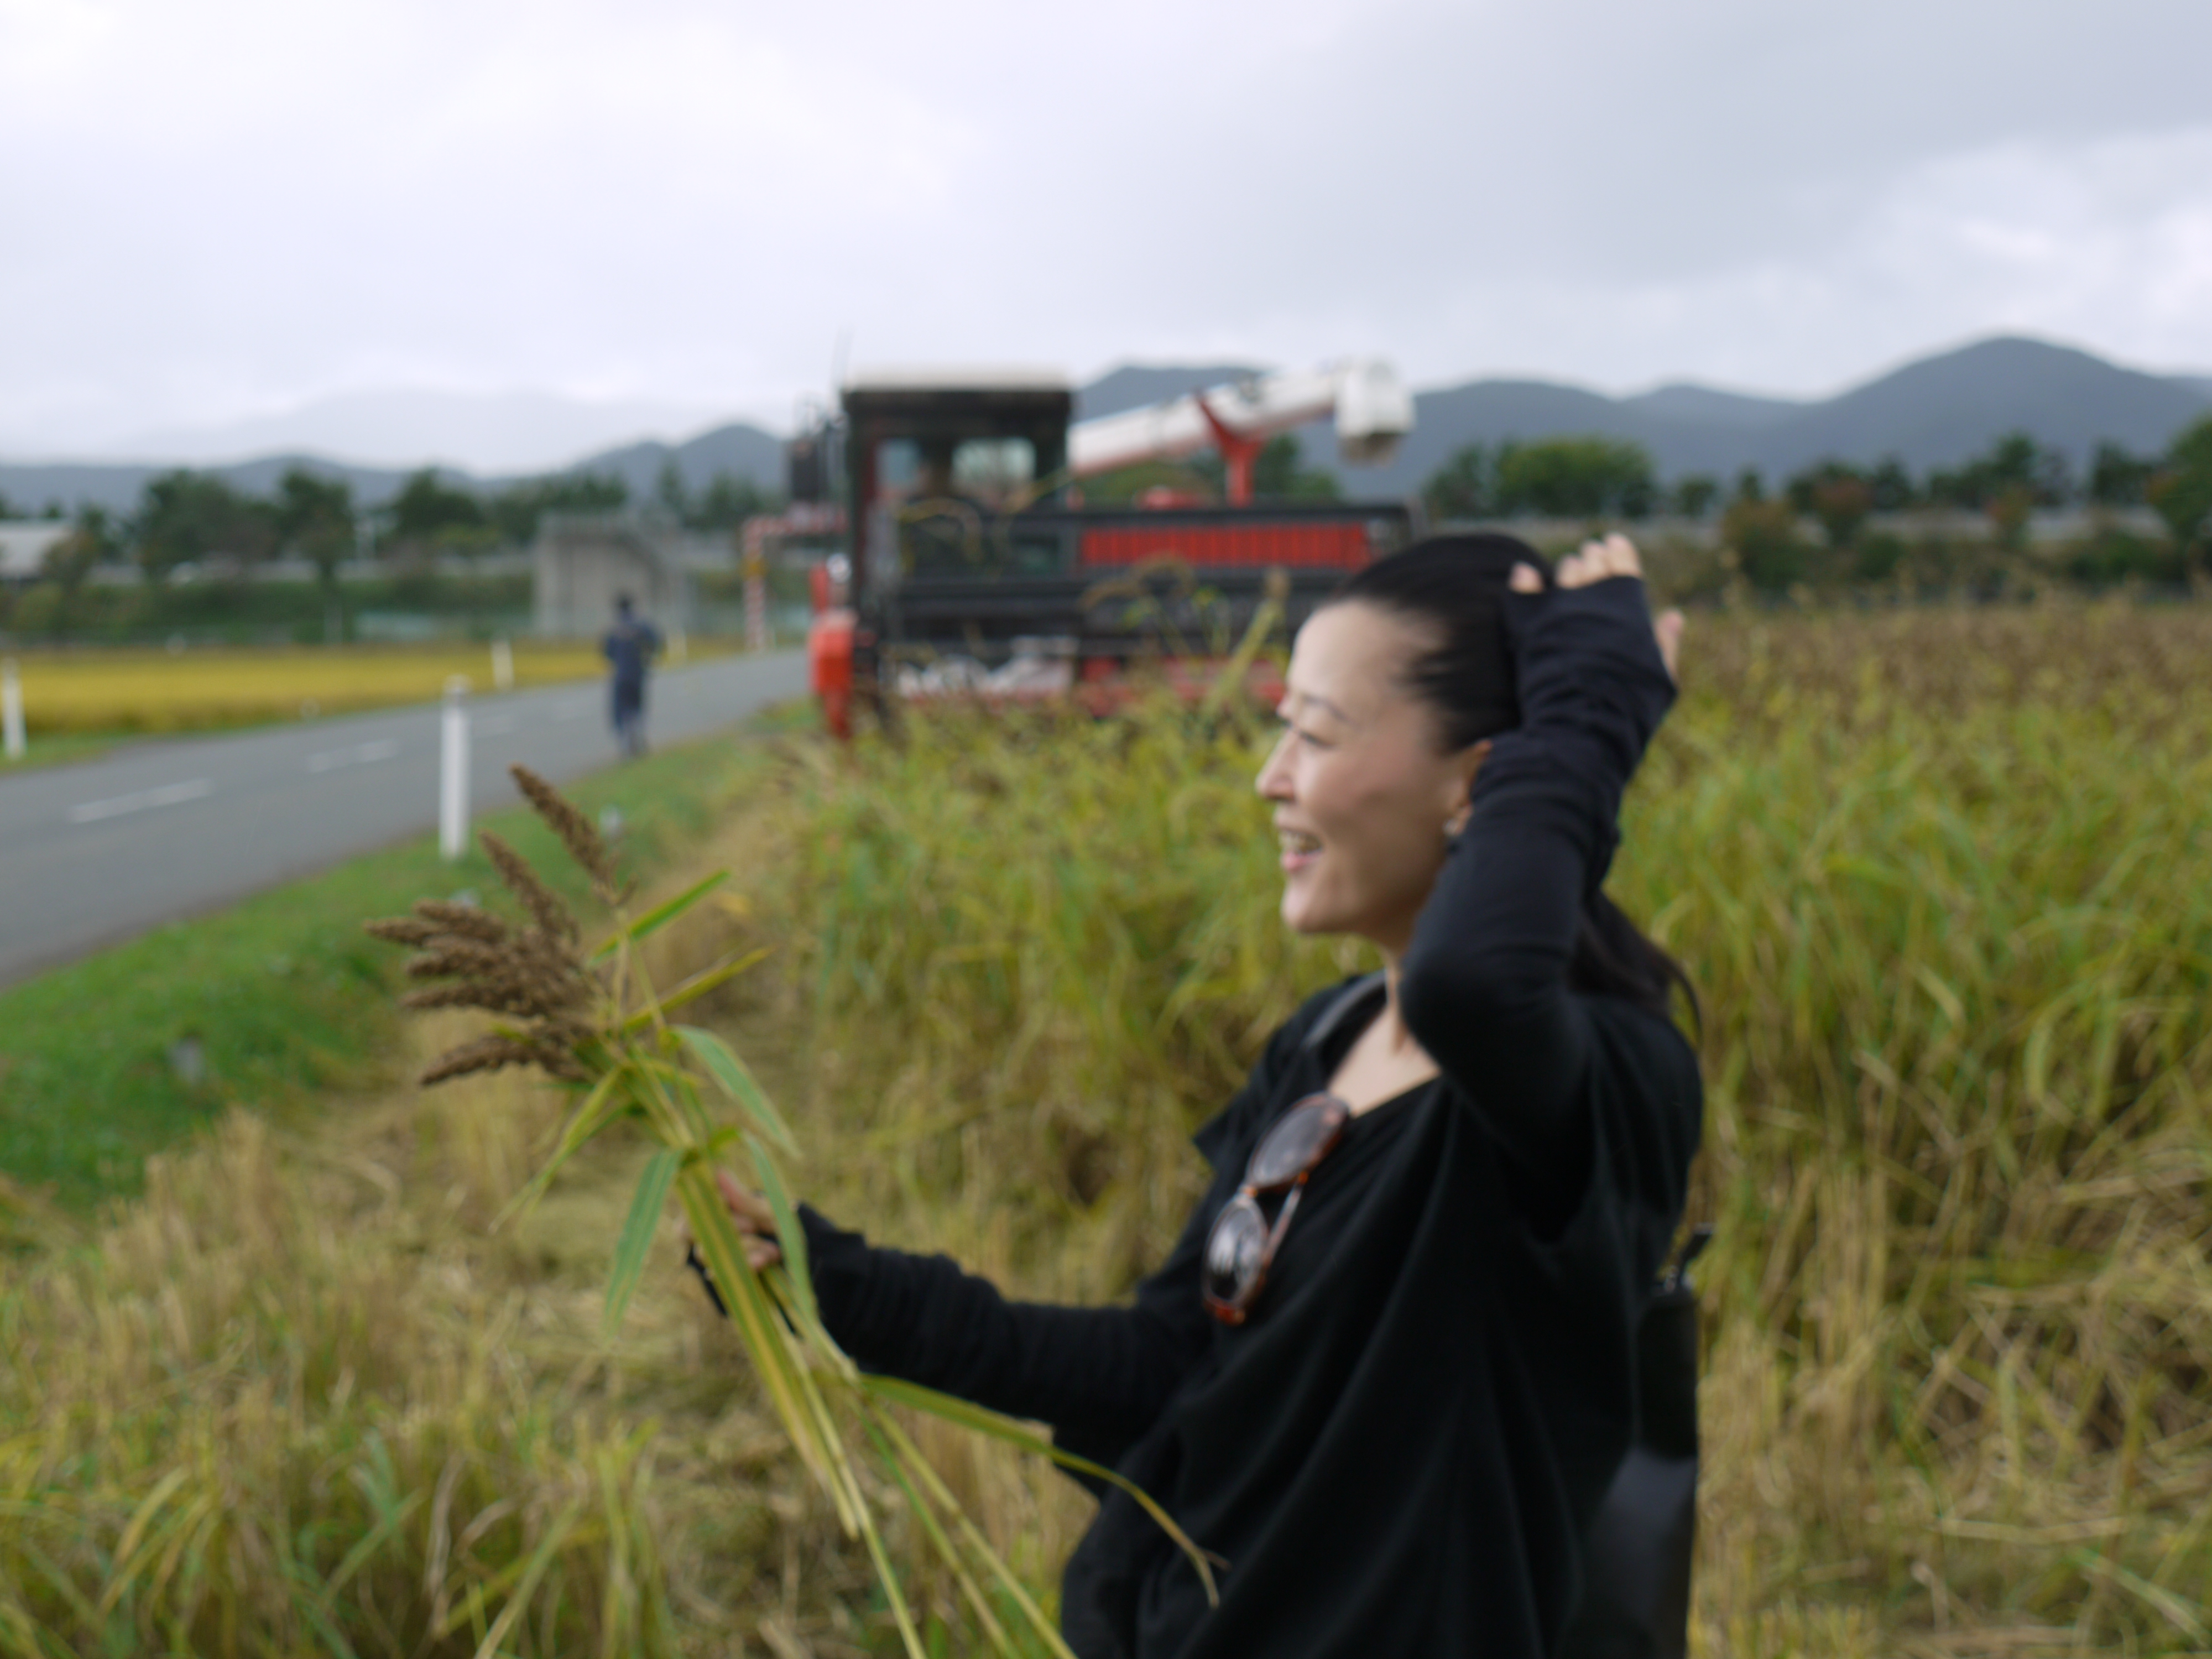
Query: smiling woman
point(1395, 1418)
point(1366, 795)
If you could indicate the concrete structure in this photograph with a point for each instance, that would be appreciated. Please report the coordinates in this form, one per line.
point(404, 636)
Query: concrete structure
point(580, 561)
point(24, 544)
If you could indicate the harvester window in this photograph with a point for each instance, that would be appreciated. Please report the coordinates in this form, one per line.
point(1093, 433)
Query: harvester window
point(898, 460)
point(994, 471)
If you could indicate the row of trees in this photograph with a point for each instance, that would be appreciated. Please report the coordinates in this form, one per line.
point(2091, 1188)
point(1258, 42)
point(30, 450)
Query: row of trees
point(1589, 477)
point(1556, 478)
point(188, 518)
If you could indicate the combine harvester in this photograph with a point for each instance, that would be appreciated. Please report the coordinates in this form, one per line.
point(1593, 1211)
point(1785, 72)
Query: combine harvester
point(974, 568)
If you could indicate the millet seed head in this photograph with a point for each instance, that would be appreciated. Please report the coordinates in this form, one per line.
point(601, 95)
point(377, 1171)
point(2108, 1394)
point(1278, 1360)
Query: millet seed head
point(577, 833)
point(448, 958)
point(469, 920)
point(529, 973)
point(552, 916)
point(484, 1053)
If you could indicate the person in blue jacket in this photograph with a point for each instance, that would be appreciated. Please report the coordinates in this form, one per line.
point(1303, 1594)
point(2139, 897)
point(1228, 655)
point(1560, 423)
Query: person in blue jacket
point(630, 648)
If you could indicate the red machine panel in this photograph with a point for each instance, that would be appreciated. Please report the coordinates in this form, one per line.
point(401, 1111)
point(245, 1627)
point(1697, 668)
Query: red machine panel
point(1341, 546)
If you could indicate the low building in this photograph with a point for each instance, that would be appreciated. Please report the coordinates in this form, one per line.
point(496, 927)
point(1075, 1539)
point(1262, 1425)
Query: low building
point(580, 561)
point(24, 544)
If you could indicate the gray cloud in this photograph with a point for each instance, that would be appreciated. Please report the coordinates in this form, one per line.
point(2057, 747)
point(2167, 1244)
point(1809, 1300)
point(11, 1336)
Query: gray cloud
point(219, 210)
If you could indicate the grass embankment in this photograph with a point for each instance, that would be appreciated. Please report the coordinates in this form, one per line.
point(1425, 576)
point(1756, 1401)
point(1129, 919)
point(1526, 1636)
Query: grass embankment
point(1939, 877)
point(113, 693)
point(274, 1000)
point(67, 750)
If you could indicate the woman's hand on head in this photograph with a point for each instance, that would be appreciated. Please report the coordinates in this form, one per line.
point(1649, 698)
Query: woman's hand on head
point(1595, 562)
point(755, 1222)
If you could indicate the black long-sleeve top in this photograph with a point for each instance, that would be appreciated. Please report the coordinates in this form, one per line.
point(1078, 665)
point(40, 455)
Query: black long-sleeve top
point(1398, 1452)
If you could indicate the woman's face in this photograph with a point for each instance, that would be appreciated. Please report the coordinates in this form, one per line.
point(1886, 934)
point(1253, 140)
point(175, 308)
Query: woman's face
point(1365, 800)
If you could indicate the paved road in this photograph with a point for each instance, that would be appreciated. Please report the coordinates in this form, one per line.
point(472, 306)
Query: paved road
point(95, 853)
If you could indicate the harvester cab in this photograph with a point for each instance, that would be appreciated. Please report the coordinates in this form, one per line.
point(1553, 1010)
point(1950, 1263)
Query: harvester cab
point(973, 566)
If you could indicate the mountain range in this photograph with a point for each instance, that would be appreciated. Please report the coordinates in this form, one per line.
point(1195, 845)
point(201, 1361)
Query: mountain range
point(741, 448)
point(1936, 412)
point(503, 433)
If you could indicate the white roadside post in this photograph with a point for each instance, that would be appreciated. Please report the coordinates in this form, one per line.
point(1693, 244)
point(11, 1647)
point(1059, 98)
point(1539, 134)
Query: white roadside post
point(502, 666)
point(754, 566)
point(11, 711)
point(453, 772)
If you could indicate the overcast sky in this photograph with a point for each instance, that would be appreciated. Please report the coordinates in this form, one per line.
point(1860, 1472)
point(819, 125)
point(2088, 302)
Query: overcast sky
point(216, 210)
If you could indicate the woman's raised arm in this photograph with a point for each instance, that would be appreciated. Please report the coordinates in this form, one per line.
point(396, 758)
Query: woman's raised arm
point(1484, 987)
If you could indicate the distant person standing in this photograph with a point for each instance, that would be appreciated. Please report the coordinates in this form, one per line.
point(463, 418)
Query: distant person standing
point(630, 648)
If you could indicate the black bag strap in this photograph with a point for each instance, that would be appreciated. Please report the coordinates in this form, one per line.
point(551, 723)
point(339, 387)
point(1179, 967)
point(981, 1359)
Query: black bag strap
point(1351, 997)
point(1675, 1277)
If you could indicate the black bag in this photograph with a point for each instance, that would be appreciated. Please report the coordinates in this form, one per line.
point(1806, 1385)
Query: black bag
point(1635, 1589)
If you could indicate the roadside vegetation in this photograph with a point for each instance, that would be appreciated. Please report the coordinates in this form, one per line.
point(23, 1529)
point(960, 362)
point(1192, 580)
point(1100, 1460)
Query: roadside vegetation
point(1936, 873)
point(278, 1003)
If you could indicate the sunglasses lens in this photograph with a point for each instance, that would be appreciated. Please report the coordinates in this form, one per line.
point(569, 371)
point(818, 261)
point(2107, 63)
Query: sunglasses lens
point(1234, 1249)
point(1295, 1141)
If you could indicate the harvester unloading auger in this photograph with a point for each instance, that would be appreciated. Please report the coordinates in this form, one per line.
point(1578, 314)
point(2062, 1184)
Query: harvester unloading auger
point(971, 563)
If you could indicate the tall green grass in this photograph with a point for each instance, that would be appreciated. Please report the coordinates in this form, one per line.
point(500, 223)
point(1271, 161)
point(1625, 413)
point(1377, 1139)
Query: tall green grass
point(1940, 877)
point(1946, 896)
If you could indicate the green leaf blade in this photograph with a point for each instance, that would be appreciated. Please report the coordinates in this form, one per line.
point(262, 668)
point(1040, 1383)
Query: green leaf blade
point(791, 1234)
point(598, 1109)
point(723, 1065)
point(983, 1420)
point(659, 916)
point(636, 1241)
point(698, 985)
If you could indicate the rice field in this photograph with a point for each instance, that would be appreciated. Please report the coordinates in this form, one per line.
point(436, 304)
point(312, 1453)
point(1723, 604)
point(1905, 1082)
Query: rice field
point(69, 692)
point(1939, 876)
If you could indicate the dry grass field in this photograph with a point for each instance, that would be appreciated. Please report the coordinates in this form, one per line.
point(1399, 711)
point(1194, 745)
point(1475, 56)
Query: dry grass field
point(153, 690)
point(1938, 876)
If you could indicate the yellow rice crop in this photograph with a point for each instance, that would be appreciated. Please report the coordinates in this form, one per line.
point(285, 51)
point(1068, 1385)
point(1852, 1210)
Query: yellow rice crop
point(68, 691)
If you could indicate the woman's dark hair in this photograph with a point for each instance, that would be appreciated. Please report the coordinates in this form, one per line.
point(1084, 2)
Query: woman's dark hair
point(1455, 587)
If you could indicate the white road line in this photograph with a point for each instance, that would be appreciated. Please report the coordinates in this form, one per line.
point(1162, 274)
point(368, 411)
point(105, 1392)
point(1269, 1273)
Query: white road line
point(169, 795)
point(360, 754)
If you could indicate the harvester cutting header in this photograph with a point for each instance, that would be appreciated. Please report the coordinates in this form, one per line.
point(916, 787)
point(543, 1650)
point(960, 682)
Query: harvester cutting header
point(973, 565)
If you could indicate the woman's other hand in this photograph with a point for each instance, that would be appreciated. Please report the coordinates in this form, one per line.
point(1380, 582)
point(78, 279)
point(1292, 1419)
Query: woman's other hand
point(1594, 561)
point(755, 1222)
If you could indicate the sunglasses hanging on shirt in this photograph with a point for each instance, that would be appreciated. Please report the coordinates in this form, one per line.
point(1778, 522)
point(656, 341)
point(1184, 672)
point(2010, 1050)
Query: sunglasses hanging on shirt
point(1240, 1246)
